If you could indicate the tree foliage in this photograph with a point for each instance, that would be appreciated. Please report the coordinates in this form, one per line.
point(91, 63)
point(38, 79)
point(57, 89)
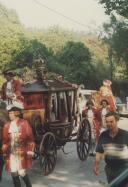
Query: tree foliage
point(11, 32)
point(73, 53)
point(118, 6)
point(117, 39)
point(31, 49)
point(54, 37)
point(75, 59)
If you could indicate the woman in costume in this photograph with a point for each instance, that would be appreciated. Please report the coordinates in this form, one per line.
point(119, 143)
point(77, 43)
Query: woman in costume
point(106, 93)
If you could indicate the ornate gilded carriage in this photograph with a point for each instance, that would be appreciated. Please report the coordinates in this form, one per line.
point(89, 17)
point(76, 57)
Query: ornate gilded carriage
point(51, 107)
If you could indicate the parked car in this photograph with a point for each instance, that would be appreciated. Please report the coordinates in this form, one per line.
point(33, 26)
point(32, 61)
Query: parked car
point(87, 94)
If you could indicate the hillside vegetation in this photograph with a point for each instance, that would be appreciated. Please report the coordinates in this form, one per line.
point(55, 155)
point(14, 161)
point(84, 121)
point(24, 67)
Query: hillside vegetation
point(81, 57)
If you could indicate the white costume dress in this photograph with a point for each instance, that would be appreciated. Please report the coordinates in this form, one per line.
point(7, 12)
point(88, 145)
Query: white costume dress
point(15, 164)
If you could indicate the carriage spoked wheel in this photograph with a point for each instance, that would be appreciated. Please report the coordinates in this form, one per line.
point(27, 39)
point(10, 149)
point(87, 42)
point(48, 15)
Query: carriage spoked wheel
point(83, 139)
point(48, 153)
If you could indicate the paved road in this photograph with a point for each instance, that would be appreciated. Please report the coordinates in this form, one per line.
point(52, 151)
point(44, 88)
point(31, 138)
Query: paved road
point(69, 171)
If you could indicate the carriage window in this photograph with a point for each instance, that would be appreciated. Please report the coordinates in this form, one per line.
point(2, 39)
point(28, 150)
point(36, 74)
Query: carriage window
point(63, 112)
point(59, 109)
point(54, 107)
point(71, 100)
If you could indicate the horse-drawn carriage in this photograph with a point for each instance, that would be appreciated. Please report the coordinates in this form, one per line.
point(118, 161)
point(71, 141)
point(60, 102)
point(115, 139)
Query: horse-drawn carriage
point(50, 106)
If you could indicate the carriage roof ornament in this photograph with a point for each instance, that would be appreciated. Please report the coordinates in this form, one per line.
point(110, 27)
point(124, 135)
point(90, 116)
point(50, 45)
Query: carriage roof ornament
point(41, 70)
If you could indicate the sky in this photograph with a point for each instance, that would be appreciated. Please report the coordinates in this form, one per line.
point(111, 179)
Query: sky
point(79, 15)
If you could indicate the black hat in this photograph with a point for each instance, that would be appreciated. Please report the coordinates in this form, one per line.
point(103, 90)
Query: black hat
point(104, 100)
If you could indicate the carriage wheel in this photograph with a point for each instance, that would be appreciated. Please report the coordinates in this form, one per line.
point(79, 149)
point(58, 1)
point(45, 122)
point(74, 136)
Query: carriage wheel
point(48, 153)
point(37, 126)
point(83, 139)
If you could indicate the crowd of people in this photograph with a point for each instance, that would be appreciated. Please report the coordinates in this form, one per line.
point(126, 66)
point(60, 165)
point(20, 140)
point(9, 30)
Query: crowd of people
point(17, 141)
point(107, 140)
point(96, 110)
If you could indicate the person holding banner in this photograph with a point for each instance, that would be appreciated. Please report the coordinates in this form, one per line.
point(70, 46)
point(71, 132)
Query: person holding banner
point(106, 93)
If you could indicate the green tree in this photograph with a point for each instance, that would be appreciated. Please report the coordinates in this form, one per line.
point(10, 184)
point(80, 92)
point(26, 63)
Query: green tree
point(73, 53)
point(11, 31)
point(20, 46)
point(31, 49)
point(100, 72)
point(54, 37)
point(117, 39)
point(118, 6)
point(75, 59)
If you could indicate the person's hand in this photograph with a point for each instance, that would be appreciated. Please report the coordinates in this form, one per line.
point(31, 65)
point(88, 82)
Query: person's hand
point(30, 154)
point(96, 169)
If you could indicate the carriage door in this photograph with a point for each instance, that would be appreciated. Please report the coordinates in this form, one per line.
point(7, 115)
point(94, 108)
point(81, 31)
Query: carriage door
point(70, 104)
point(59, 111)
